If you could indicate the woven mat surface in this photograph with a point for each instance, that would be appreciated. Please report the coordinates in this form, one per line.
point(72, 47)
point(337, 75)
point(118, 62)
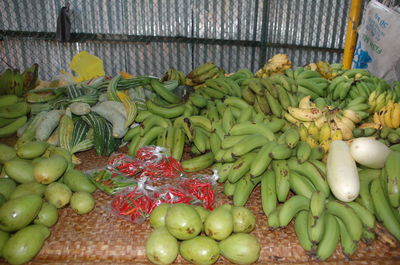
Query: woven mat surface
point(102, 238)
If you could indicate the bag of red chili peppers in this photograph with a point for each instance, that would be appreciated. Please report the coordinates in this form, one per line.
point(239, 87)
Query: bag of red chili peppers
point(160, 179)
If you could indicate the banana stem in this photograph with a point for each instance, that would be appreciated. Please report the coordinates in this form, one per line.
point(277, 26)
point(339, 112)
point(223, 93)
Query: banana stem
point(351, 33)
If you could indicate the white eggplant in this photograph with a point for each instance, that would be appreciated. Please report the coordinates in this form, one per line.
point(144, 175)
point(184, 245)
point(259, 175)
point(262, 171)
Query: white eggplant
point(369, 152)
point(342, 174)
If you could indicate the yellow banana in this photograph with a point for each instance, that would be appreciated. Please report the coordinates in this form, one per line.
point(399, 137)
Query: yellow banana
point(313, 130)
point(337, 135)
point(346, 131)
point(303, 132)
point(325, 132)
point(349, 123)
point(320, 121)
point(325, 145)
point(292, 119)
point(352, 115)
point(311, 141)
point(395, 115)
point(388, 115)
point(381, 114)
point(305, 103)
point(376, 118)
point(305, 114)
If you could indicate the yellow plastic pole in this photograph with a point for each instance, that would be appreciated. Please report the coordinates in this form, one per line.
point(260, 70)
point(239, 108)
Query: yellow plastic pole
point(351, 33)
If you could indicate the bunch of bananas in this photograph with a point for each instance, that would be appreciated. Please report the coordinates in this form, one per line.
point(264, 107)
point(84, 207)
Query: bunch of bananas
point(278, 64)
point(173, 74)
point(327, 70)
point(16, 83)
point(319, 126)
point(270, 95)
point(203, 72)
point(13, 114)
point(388, 115)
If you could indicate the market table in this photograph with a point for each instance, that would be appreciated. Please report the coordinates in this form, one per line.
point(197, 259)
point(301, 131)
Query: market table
point(100, 237)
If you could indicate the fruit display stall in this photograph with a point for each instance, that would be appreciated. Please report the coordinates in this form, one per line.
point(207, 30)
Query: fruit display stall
point(284, 165)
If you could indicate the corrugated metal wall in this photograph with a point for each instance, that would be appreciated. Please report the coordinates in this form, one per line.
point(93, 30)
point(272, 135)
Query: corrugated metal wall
point(149, 36)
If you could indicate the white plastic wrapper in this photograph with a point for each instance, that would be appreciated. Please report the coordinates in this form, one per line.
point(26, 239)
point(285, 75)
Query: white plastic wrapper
point(378, 42)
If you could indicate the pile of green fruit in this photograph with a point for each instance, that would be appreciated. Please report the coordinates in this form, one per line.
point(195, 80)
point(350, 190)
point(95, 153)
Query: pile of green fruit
point(36, 180)
point(201, 236)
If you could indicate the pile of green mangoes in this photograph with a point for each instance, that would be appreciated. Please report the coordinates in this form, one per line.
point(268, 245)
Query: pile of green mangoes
point(201, 236)
point(36, 180)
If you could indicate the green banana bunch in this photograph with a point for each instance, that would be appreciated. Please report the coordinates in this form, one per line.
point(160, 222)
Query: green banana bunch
point(201, 73)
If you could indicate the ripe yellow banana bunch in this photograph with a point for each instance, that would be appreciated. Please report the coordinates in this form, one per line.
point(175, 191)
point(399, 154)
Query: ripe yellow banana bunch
point(378, 100)
point(324, 68)
point(319, 127)
point(278, 64)
point(388, 116)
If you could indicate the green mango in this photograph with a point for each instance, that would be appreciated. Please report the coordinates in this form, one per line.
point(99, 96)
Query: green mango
point(25, 244)
point(18, 213)
point(50, 169)
point(7, 186)
point(47, 216)
point(31, 150)
point(28, 188)
point(77, 181)
point(19, 170)
point(53, 150)
point(6, 153)
point(82, 202)
point(161, 246)
point(58, 194)
point(4, 236)
point(37, 159)
point(200, 250)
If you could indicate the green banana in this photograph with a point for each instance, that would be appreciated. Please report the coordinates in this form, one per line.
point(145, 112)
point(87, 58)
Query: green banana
point(236, 102)
point(248, 95)
point(165, 112)
point(198, 163)
point(201, 69)
point(280, 151)
point(153, 120)
point(316, 227)
point(150, 136)
point(252, 128)
point(383, 209)
point(6, 100)
point(275, 125)
point(291, 207)
point(178, 143)
point(142, 115)
point(268, 192)
point(347, 243)
point(392, 167)
point(283, 97)
point(215, 143)
point(229, 188)
point(248, 144)
point(300, 228)
point(366, 176)
point(282, 175)
point(163, 92)
point(227, 120)
point(198, 100)
point(348, 216)
point(244, 188)
point(273, 218)
point(312, 173)
point(317, 203)
point(200, 139)
point(330, 238)
point(300, 185)
point(12, 128)
point(201, 78)
point(223, 172)
point(292, 137)
point(262, 161)
point(366, 217)
point(245, 115)
point(15, 110)
point(303, 152)
point(274, 105)
point(170, 137)
point(241, 167)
